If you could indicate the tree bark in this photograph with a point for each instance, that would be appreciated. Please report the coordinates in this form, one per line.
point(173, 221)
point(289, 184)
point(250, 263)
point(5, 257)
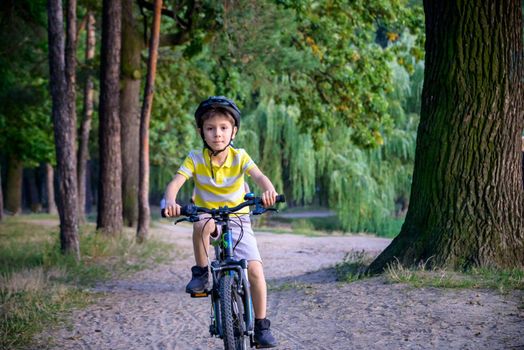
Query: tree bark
point(50, 185)
point(132, 45)
point(85, 128)
point(466, 206)
point(64, 121)
point(13, 195)
point(109, 218)
point(143, 199)
point(70, 59)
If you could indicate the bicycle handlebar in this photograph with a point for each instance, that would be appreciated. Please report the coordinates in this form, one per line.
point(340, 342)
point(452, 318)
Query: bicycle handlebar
point(193, 210)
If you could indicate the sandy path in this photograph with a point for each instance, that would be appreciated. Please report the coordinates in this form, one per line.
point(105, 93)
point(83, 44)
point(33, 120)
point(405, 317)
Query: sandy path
point(309, 309)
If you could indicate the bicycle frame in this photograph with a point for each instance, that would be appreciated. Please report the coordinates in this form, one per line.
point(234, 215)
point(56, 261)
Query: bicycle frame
point(226, 265)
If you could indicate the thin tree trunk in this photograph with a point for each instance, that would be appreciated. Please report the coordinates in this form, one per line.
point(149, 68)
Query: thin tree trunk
point(64, 121)
point(109, 218)
point(467, 204)
point(132, 45)
point(34, 197)
point(1, 199)
point(50, 185)
point(70, 59)
point(13, 200)
point(143, 199)
point(91, 188)
point(85, 129)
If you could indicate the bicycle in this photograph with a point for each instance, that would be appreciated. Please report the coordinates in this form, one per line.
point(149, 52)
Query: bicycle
point(232, 316)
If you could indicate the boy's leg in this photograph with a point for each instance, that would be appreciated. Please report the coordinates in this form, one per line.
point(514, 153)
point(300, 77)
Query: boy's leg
point(199, 273)
point(201, 231)
point(263, 336)
point(258, 288)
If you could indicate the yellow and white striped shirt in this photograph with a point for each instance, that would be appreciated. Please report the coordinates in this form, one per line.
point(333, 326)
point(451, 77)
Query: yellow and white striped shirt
point(226, 187)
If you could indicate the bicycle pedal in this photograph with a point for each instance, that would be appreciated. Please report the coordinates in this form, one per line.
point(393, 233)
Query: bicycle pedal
point(200, 295)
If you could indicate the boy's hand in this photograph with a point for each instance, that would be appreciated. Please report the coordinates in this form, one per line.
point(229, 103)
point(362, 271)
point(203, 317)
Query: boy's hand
point(269, 198)
point(172, 209)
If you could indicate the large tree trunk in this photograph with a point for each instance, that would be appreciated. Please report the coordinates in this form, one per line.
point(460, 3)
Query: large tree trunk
point(132, 45)
point(466, 206)
point(13, 193)
point(50, 186)
point(109, 218)
point(143, 197)
point(64, 121)
point(85, 128)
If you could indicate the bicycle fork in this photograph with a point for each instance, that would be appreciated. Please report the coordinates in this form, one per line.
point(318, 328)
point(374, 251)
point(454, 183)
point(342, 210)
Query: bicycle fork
point(240, 267)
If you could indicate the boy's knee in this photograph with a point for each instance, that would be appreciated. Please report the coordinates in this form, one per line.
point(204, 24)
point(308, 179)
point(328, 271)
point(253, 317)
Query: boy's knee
point(203, 227)
point(256, 271)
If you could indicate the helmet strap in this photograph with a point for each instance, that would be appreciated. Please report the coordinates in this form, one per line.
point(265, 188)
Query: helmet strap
point(213, 153)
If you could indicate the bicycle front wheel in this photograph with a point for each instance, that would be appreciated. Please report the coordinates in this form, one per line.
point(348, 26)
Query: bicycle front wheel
point(232, 310)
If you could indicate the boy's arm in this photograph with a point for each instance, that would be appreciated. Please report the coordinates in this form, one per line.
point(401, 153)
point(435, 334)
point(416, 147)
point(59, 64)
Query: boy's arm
point(269, 194)
point(172, 208)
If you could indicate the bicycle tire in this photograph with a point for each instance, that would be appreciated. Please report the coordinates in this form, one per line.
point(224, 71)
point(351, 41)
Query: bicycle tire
point(232, 314)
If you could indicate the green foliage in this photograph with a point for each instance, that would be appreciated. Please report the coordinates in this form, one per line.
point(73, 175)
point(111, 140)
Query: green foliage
point(350, 84)
point(38, 284)
point(271, 136)
point(25, 129)
point(362, 185)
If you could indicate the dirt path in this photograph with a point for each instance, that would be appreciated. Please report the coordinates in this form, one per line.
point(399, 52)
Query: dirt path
point(309, 309)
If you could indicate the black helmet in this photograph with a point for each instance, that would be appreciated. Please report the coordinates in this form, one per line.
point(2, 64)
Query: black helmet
point(218, 103)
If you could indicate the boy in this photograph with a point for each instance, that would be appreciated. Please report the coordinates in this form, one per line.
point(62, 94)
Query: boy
point(218, 173)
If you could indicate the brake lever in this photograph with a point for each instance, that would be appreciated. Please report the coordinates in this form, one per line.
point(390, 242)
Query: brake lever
point(192, 218)
point(262, 210)
point(181, 220)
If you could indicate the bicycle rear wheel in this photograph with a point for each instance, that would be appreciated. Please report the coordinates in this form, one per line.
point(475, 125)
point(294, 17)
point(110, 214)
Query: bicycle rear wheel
point(232, 310)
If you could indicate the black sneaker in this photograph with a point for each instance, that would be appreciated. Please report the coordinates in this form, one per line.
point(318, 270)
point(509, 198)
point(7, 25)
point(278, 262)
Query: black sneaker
point(263, 337)
point(199, 280)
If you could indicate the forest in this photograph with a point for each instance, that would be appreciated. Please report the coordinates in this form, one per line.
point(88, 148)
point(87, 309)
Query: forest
point(332, 125)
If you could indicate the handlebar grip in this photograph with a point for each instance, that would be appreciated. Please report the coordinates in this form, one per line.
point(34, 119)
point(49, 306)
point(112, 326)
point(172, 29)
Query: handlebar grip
point(281, 198)
point(185, 210)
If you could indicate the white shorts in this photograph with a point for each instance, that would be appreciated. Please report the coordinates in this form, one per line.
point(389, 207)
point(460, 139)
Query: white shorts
point(247, 247)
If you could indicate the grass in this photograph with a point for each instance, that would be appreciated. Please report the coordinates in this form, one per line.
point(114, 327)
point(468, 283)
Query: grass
point(289, 230)
point(474, 278)
point(287, 286)
point(354, 266)
point(38, 284)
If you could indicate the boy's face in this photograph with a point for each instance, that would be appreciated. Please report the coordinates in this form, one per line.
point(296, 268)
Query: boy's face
point(218, 131)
